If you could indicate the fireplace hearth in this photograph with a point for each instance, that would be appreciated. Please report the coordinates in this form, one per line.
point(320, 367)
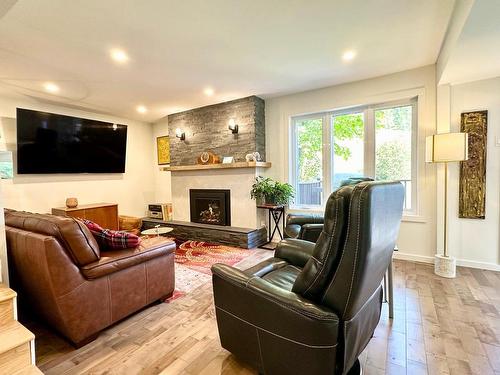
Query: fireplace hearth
point(210, 206)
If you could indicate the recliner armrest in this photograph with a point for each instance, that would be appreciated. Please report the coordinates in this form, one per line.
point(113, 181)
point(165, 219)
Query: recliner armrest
point(295, 251)
point(302, 219)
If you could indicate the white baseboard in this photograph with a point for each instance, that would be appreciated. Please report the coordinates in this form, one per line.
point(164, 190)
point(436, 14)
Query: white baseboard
point(480, 265)
point(413, 257)
point(460, 262)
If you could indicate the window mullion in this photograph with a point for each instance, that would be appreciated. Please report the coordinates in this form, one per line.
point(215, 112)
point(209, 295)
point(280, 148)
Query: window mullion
point(369, 159)
point(327, 158)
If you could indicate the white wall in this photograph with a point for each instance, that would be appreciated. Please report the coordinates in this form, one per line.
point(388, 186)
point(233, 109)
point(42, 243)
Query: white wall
point(162, 179)
point(418, 234)
point(475, 242)
point(132, 190)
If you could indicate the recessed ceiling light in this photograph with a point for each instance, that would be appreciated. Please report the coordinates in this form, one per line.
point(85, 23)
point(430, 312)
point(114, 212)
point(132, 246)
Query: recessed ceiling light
point(50, 87)
point(208, 91)
point(119, 55)
point(141, 109)
point(348, 55)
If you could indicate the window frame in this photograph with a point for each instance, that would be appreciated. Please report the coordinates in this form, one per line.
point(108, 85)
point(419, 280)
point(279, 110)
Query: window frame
point(369, 147)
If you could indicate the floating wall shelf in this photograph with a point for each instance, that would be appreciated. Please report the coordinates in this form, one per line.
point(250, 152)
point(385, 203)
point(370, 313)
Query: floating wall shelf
point(198, 167)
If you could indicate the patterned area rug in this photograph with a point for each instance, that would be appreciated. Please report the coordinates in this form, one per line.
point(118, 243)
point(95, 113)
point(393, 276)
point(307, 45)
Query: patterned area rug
point(193, 260)
point(200, 256)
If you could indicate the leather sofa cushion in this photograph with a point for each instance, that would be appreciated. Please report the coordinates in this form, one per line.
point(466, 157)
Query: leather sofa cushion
point(275, 271)
point(284, 277)
point(113, 261)
point(72, 234)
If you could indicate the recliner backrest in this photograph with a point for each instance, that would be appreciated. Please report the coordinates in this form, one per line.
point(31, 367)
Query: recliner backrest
point(375, 211)
point(317, 272)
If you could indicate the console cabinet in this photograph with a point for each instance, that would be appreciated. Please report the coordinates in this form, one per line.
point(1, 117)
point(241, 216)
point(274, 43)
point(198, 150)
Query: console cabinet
point(104, 214)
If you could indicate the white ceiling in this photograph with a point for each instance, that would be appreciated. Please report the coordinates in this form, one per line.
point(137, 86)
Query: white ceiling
point(476, 54)
point(177, 48)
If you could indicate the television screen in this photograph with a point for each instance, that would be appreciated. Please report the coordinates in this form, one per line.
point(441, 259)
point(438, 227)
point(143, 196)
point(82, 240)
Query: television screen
point(51, 143)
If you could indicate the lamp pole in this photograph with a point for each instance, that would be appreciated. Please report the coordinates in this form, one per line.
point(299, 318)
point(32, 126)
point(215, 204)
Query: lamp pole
point(445, 242)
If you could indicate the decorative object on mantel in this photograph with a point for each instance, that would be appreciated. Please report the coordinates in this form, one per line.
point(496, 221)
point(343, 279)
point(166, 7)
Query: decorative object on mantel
point(208, 157)
point(163, 148)
point(472, 191)
point(445, 148)
point(227, 160)
point(265, 190)
point(233, 126)
point(180, 134)
point(71, 202)
point(199, 167)
point(254, 156)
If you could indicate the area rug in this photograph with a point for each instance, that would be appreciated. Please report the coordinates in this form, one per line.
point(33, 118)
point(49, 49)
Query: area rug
point(200, 256)
point(193, 260)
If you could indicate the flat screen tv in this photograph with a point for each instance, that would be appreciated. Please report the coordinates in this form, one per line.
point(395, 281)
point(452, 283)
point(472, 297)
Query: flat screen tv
point(51, 143)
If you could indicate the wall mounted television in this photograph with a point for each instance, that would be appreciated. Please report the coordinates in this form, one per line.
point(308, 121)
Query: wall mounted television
point(52, 143)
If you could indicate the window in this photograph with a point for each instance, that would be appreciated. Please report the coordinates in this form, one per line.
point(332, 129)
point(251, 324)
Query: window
point(376, 141)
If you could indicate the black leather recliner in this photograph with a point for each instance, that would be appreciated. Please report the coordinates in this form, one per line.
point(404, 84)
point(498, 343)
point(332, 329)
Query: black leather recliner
point(304, 226)
point(309, 226)
point(312, 308)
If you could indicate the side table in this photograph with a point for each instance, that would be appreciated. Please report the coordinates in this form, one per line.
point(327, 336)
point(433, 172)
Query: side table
point(276, 212)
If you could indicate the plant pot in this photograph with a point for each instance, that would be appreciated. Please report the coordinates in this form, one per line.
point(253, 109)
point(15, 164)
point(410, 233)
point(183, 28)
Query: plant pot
point(260, 201)
point(270, 201)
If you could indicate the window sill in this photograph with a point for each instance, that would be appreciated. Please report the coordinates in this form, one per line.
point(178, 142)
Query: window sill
point(411, 218)
point(407, 218)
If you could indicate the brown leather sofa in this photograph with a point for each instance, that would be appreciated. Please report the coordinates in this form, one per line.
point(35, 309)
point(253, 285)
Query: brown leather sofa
point(313, 307)
point(62, 276)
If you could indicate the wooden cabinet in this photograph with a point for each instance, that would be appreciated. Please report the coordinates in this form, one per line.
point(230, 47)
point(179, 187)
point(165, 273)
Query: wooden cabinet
point(104, 214)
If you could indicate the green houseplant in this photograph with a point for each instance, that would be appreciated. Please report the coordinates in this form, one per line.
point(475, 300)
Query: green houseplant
point(268, 191)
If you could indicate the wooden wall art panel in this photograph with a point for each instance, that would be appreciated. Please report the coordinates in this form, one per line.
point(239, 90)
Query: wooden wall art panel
point(472, 192)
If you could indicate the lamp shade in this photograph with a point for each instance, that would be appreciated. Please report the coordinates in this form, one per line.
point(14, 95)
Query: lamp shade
point(446, 147)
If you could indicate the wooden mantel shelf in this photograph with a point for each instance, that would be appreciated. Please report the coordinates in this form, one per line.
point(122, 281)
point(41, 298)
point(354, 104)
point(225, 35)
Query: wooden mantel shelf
point(198, 167)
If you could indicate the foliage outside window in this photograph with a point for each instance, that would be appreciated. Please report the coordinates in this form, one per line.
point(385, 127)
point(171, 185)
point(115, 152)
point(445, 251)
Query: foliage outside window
point(373, 141)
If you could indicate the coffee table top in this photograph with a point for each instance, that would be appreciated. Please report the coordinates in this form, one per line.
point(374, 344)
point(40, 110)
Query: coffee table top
point(156, 231)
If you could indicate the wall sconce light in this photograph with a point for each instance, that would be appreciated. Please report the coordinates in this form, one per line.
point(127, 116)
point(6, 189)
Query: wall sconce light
point(233, 126)
point(180, 134)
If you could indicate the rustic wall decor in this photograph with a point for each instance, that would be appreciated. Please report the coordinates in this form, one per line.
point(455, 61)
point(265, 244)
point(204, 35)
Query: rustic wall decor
point(163, 147)
point(472, 194)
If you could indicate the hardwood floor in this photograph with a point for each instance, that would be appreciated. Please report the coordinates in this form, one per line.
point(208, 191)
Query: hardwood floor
point(441, 326)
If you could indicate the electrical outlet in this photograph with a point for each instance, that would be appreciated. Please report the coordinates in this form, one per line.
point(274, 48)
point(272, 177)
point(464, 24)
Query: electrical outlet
point(497, 141)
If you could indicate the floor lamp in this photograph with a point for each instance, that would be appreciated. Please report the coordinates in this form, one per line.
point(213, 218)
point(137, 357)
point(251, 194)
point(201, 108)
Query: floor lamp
point(446, 148)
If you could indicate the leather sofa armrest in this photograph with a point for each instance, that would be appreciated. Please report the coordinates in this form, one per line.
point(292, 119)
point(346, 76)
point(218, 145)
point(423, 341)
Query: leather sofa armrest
point(259, 303)
point(310, 232)
point(295, 251)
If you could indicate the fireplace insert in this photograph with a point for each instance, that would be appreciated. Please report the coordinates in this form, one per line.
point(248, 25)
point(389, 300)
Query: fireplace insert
point(210, 206)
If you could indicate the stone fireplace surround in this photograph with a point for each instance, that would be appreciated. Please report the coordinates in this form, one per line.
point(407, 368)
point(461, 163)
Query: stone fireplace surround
point(206, 129)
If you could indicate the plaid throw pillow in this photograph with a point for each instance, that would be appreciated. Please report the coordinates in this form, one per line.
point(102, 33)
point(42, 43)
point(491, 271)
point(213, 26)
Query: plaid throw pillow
point(112, 239)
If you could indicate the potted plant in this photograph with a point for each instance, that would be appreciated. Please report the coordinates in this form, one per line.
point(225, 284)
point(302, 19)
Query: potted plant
point(265, 190)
